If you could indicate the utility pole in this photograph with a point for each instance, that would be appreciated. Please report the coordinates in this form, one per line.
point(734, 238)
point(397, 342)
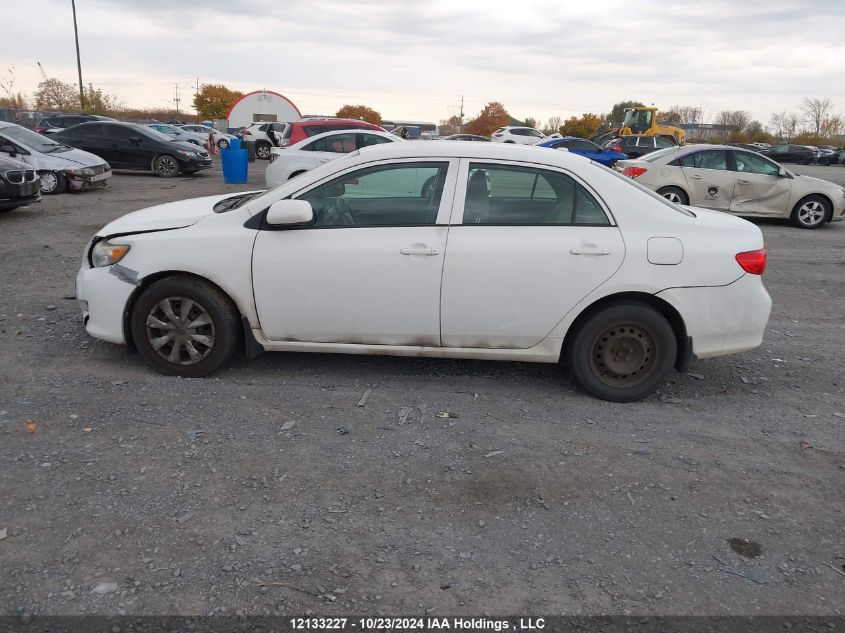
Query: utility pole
point(461, 124)
point(176, 99)
point(78, 61)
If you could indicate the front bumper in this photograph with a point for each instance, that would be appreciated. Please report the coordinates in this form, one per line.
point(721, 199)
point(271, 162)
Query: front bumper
point(723, 320)
point(103, 297)
point(191, 164)
point(77, 183)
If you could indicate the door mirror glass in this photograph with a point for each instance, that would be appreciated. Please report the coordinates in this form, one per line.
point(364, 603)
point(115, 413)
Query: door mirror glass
point(135, 139)
point(782, 173)
point(284, 212)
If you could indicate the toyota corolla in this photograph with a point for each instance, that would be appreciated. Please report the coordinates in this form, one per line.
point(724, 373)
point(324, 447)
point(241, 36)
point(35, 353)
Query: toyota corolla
point(449, 249)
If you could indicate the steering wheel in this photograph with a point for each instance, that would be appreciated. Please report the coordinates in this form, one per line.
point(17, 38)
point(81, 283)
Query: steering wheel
point(343, 212)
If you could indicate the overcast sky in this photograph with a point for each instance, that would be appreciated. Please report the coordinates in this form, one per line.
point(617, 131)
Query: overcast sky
point(414, 60)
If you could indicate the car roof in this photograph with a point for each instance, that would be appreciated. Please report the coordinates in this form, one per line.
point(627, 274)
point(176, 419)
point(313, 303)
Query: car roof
point(461, 149)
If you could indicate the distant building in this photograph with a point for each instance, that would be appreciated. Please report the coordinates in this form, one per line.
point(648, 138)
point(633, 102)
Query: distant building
point(261, 105)
point(389, 124)
point(704, 131)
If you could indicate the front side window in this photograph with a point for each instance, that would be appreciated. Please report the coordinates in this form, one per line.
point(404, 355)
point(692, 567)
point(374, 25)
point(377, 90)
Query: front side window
point(536, 133)
point(516, 195)
point(754, 164)
point(405, 194)
point(365, 140)
point(662, 142)
point(119, 133)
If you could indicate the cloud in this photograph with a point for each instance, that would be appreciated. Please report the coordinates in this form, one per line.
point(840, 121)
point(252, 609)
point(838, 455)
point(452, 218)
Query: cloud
point(416, 59)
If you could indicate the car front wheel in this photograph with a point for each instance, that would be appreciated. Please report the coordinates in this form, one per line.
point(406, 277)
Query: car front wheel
point(184, 327)
point(810, 213)
point(623, 352)
point(52, 182)
point(166, 166)
point(674, 194)
point(262, 150)
point(223, 143)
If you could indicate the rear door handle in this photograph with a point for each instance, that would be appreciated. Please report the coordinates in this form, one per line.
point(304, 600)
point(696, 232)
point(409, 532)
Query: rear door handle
point(420, 251)
point(743, 182)
point(589, 250)
point(696, 177)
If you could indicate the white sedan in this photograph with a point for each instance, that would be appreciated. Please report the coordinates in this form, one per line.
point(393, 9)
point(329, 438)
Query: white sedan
point(448, 249)
point(287, 163)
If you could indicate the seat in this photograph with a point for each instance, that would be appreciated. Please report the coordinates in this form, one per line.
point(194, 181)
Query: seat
point(477, 204)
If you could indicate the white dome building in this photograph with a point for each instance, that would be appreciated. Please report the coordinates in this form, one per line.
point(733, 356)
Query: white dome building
point(261, 105)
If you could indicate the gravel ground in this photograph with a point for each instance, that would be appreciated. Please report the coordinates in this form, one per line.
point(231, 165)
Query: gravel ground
point(266, 489)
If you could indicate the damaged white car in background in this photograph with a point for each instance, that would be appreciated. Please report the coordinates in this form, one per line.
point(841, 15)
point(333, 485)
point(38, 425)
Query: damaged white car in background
point(61, 167)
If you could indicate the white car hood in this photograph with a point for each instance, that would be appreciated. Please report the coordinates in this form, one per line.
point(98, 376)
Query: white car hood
point(71, 159)
point(171, 215)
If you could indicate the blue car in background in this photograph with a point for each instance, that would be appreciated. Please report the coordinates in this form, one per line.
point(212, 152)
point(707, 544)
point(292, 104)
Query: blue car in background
point(586, 148)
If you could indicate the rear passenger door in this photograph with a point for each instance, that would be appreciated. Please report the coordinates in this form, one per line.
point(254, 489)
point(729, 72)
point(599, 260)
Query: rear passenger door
point(526, 244)
point(710, 178)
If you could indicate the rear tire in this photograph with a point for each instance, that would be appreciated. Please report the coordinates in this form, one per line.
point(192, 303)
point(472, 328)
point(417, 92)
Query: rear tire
point(223, 143)
point(810, 213)
point(193, 344)
point(262, 150)
point(824, 162)
point(623, 352)
point(674, 194)
point(166, 166)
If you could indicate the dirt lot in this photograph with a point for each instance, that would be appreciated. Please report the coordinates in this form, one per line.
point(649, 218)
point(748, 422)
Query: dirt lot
point(187, 495)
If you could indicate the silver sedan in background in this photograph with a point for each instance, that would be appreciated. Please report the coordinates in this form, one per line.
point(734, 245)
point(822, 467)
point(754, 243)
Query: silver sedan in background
point(737, 181)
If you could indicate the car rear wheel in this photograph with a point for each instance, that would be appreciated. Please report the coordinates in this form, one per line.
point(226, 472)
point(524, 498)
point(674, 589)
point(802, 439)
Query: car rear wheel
point(824, 161)
point(166, 166)
point(674, 194)
point(810, 213)
point(52, 182)
point(223, 143)
point(623, 352)
point(184, 327)
point(262, 150)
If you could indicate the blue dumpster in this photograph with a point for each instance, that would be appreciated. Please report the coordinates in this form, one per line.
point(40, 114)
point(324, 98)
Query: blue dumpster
point(235, 167)
point(235, 143)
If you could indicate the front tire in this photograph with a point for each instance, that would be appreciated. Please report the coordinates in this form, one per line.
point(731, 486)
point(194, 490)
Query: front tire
point(184, 327)
point(623, 352)
point(674, 194)
point(166, 166)
point(223, 144)
point(52, 182)
point(262, 150)
point(810, 213)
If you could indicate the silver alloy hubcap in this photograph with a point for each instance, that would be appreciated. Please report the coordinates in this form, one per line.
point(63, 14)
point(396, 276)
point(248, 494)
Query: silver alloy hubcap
point(671, 196)
point(224, 144)
point(48, 181)
point(811, 213)
point(166, 165)
point(263, 151)
point(180, 330)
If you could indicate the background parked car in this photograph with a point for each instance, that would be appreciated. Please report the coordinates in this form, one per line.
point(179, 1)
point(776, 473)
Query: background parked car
point(586, 148)
point(317, 150)
point(59, 122)
point(800, 154)
point(635, 146)
point(518, 135)
point(292, 133)
point(19, 184)
point(59, 165)
point(465, 137)
point(827, 155)
point(179, 134)
point(221, 139)
point(134, 146)
point(737, 181)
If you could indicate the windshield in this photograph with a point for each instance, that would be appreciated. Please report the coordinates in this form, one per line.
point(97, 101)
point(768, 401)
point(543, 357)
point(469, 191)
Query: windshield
point(30, 140)
point(638, 120)
point(650, 158)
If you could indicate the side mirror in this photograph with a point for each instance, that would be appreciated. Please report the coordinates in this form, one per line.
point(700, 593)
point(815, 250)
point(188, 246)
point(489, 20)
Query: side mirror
point(284, 212)
point(8, 149)
point(135, 139)
point(783, 173)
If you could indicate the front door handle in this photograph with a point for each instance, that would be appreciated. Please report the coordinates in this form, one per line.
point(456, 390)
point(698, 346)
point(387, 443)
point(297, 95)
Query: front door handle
point(696, 177)
point(424, 251)
point(743, 182)
point(589, 249)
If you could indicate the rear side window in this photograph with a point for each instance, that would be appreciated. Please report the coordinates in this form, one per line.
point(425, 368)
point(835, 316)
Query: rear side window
point(89, 130)
point(338, 144)
point(516, 195)
point(707, 159)
point(664, 142)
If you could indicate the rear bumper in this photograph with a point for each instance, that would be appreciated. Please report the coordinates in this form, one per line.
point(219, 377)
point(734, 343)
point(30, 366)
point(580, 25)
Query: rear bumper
point(724, 319)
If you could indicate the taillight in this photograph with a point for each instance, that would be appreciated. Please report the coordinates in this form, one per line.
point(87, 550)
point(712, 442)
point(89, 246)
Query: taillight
point(246, 133)
point(752, 262)
point(41, 130)
point(634, 172)
point(617, 149)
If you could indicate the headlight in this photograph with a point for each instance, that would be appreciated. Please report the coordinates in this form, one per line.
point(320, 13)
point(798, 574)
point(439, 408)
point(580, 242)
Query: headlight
point(105, 253)
point(187, 153)
point(842, 191)
point(83, 171)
